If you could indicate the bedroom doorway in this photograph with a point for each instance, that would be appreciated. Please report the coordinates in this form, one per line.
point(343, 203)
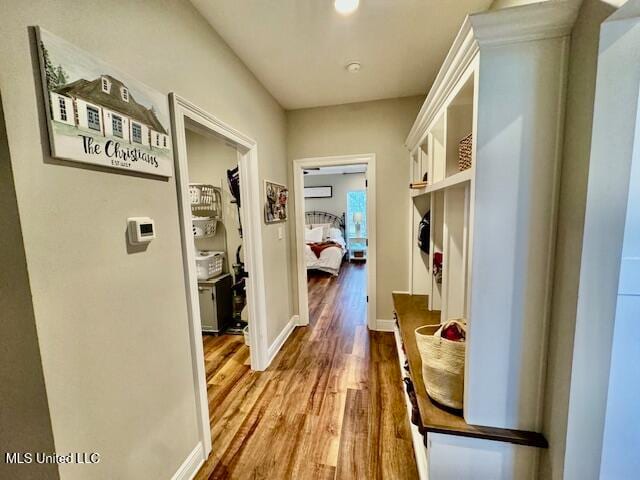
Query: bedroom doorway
point(335, 232)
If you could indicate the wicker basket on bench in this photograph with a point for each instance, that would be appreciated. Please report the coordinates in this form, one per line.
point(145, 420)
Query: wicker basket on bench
point(442, 364)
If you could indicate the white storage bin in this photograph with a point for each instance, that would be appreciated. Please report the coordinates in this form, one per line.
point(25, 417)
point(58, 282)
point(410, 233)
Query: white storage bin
point(204, 226)
point(209, 264)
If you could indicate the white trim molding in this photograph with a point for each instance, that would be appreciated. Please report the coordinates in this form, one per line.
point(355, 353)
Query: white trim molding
point(191, 464)
point(282, 338)
point(385, 325)
point(487, 29)
point(247, 149)
point(298, 189)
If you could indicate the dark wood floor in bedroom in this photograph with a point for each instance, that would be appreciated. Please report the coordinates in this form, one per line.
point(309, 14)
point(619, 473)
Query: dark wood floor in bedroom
point(329, 407)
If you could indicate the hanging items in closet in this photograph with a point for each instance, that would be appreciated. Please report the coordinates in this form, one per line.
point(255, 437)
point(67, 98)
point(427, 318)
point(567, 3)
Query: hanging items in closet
point(239, 290)
point(424, 230)
point(239, 293)
point(233, 177)
point(464, 152)
point(437, 266)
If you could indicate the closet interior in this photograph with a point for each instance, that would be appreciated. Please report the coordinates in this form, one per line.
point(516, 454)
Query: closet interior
point(217, 232)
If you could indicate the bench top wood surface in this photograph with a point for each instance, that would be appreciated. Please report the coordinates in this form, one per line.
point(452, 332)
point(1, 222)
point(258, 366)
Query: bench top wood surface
point(412, 312)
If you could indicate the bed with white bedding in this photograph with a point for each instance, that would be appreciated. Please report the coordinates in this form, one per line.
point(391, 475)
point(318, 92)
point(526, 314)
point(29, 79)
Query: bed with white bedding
point(322, 227)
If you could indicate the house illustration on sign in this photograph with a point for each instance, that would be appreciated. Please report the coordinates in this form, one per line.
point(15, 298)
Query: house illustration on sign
point(104, 106)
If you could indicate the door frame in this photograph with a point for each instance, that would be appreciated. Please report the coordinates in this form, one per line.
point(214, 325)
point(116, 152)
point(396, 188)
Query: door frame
point(251, 217)
point(298, 185)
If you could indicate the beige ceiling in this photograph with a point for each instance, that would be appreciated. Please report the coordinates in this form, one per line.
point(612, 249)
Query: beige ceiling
point(298, 49)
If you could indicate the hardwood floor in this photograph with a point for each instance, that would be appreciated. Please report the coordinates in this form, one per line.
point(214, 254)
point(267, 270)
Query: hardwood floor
point(329, 407)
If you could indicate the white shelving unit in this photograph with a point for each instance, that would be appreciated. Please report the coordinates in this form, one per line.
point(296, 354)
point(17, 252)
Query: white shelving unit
point(494, 223)
point(451, 181)
point(421, 283)
point(436, 246)
point(438, 135)
point(455, 239)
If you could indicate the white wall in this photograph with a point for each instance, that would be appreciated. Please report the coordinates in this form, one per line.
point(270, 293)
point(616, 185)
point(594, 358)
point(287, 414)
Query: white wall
point(620, 457)
point(571, 208)
point(341, 184)
point(25, 425)
point(612, 148)
point(378, 127)
point(112, 323)
point(571, 221)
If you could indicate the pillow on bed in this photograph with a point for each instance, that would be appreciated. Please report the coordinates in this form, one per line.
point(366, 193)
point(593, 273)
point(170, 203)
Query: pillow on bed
point(325, 229)
point(335, 233)
point(314, 235)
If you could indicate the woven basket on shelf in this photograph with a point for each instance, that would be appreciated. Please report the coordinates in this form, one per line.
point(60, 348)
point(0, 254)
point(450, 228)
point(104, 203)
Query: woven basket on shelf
point(442, 364)
point(464, 153)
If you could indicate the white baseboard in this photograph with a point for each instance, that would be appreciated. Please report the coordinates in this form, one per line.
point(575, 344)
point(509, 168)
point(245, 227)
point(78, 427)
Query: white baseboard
point(279, 342)
point(385, 325)
point(401, 292)
point(191, 465)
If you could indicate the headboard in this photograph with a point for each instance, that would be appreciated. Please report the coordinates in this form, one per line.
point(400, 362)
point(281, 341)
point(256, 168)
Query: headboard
point(315, 216)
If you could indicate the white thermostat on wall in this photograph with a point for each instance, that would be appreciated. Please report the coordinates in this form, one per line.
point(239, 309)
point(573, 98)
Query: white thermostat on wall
point(141, 230)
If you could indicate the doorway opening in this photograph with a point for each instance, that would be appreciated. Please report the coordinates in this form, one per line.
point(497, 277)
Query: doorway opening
point(220, 215)
point(335, 230)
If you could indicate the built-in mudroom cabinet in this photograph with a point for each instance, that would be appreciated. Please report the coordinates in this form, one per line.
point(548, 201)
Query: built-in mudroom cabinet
point(485, 155)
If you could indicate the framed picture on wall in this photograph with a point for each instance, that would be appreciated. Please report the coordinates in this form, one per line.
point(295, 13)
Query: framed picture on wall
point(99, 115)
point(318, 192)
point(276, 198)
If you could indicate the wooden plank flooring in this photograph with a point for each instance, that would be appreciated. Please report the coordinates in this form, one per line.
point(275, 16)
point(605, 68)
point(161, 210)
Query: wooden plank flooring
point(329, 407)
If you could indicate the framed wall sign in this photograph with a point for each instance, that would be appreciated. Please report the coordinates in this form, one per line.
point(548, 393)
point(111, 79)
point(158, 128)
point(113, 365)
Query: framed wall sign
point(99, 115)
point(318, 192)
point(275, 207)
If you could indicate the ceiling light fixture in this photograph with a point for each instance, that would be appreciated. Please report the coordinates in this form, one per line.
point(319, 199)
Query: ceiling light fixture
point(345, 7)
point(353, 67)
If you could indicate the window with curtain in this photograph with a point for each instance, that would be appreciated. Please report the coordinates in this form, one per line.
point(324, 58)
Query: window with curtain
point(357, 213)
